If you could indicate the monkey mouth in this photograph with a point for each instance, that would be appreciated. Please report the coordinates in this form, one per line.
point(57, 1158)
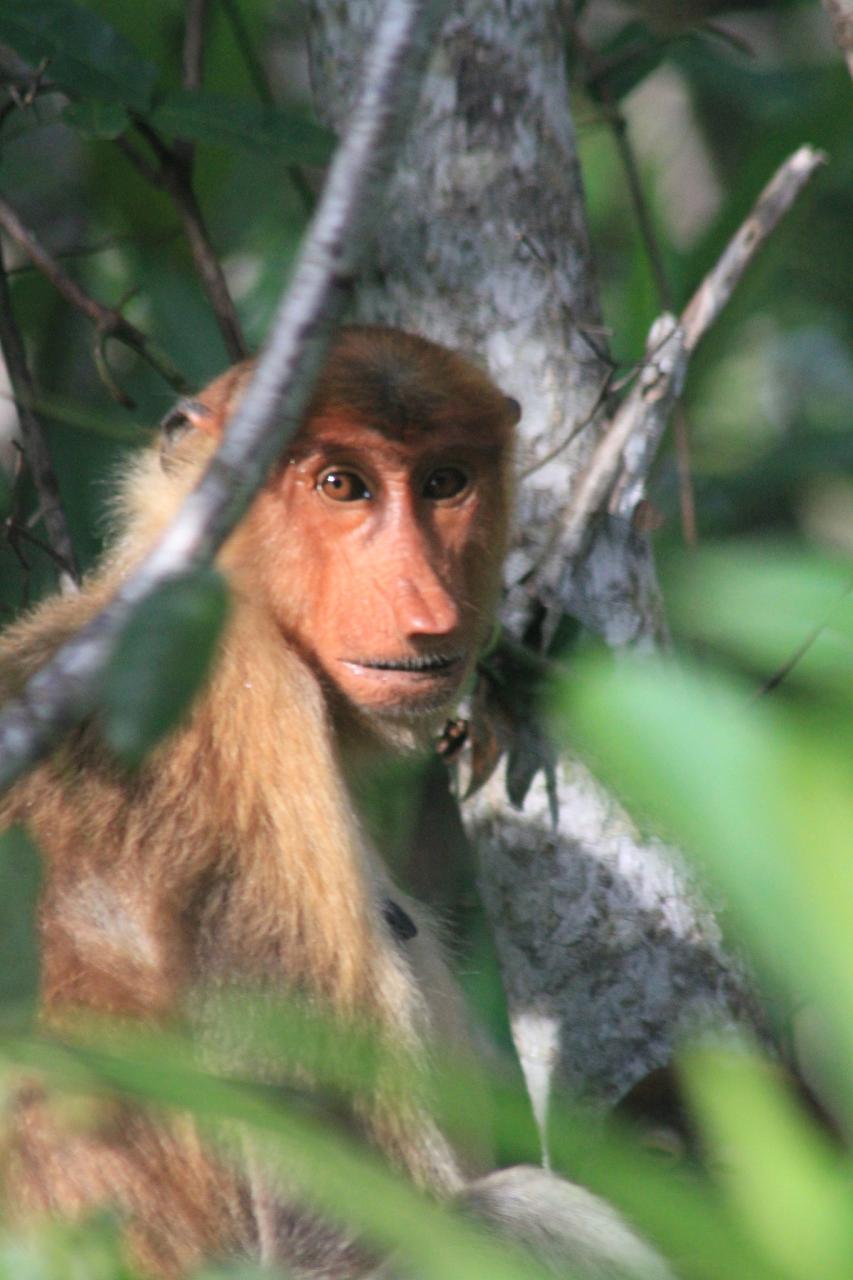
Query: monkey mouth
point(422, 664)
point(407, 679)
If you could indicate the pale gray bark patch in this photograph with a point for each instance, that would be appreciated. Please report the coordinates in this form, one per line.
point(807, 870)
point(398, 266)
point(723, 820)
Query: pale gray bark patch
point(609, 955)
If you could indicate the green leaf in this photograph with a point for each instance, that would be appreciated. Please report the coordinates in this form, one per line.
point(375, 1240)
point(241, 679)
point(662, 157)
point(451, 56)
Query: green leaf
point(90, 1250)
point(232, 122)
point(760, 795)
point(771, 604)
point(161, 662)
point(97, 120)
point(336, 1175)
point(20, 881)
point(84, 55)
point(784, 1183)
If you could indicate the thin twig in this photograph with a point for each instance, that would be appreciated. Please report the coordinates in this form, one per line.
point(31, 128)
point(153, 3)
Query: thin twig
point(598, 400)
point(110, 242)
point(686, 496)
point(174, 174)
point(619, 127)
point(774, 201)
point(192, 69)
point(193, 51)
point(784, 669)
point(65, 690)
point(258, 78)
point(638, 423)
point(596, 78)
point(175, 178)
point(17, 530)
point(630, 442)
point(246, 50)
point(107, 320)
point(35, 442)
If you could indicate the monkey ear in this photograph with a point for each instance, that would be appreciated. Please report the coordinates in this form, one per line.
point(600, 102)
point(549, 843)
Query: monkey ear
point(513, 409)
point(185, 416)
point(182, 418)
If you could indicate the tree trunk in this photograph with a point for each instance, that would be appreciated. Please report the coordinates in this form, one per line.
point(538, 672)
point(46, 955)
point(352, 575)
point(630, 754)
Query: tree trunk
point(607, 955)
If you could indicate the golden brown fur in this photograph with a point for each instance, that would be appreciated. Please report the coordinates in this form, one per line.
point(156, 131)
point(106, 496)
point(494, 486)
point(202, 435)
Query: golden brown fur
point(234, 856)
point(363, 581)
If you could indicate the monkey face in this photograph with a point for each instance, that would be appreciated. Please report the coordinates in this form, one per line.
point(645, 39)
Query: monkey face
point(388, 563)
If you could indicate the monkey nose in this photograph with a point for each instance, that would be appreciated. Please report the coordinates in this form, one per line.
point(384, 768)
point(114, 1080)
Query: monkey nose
point(425, 609)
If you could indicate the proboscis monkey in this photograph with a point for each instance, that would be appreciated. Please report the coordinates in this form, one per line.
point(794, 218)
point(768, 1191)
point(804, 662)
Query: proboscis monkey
point(363, 583)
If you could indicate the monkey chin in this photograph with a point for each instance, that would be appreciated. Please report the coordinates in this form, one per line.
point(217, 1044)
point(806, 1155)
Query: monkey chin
point(400, 716)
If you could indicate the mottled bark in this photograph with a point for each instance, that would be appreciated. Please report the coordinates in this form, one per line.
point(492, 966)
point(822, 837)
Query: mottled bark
point(607, 954)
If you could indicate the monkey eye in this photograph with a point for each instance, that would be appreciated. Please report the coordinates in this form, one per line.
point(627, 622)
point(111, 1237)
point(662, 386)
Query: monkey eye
point(343, 486)
point(445, 482)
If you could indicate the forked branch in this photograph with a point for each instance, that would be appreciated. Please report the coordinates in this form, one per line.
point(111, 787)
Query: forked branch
point(108, 322)
point(628, 447)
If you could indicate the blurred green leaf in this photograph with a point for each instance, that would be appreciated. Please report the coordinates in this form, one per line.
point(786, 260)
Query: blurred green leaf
point(20, 881)
point(787, 1186)
point(232, 122)
point(770, 605)
point(97, 120)
point(161, 662)
point(81, 1251)
point(84, 55)
point(331, 1171)
point(677, 1207)
point(764, 801)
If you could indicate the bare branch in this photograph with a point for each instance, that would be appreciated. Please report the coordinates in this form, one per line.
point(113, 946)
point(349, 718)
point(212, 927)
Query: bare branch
point(597, 83)
point(35, 444)
point(109, 322)
point(193, 52)
point(774, 201)
point(637, 426)
point(192, 66)
point(175, 177)
point(243, 42)
point(258, 78)
point(841, 16)
point(65, 690)
point(630, 443)
point(686, 497)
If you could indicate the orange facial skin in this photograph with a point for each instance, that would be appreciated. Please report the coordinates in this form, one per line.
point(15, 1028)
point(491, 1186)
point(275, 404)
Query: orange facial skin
point(385, 580)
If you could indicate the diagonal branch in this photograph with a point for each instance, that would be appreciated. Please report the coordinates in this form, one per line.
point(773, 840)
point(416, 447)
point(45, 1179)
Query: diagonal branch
point(775, 201)
point(35, 445)
point(174, 176)
point(630, 443)
point(65, 690)
point(108, 322)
